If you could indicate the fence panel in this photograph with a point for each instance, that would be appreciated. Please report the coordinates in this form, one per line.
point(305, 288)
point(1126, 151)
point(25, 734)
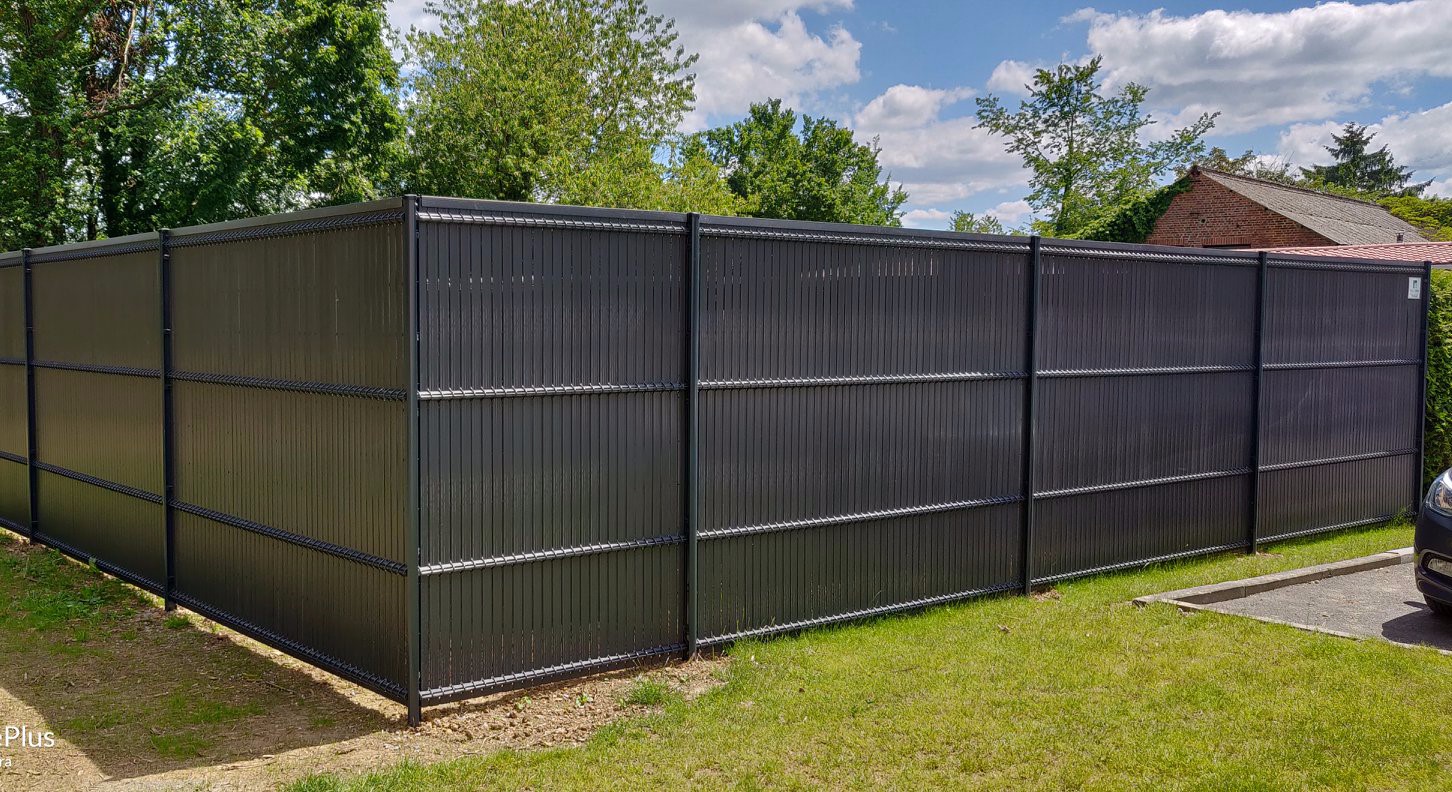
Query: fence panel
point(98, 399)
point(14, 435)
point(1342, 394)
point(290, 368)
point(1144, 429)
point(551, 442)
point(853, 385)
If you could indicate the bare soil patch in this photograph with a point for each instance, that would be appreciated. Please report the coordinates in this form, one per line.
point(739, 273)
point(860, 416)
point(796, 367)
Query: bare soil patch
point(141, 699)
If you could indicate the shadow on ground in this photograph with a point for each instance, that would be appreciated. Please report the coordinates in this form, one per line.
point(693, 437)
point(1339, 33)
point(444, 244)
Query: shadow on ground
point(135, 691)
point(1421, 627)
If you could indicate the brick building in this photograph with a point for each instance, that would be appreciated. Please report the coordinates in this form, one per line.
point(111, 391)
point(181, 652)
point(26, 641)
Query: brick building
point(1227, 211)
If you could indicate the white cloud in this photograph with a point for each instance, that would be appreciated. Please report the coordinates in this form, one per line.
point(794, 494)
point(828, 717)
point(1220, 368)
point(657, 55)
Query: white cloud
point(1265, 69)
point(1301, 144)
point(407, 13)
point(938, 160)
point(1421, 140)
point(926, 218)
point(751, 60)
point(907, 106)
point(1011, 77)
point(1011, 213)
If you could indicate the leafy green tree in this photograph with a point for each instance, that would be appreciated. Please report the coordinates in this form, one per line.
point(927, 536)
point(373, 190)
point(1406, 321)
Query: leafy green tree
point(1084, 148)
point(1354, 166)
point(545, 99)
point(686, 181)
point(1219, 159)
point(40, 184)
point(969, 223)
point(134, 114)
point(1249, 164)
point(1431, 216)
point(821, 173)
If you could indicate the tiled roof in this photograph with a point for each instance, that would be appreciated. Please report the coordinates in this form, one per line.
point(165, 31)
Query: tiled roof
point(1345, 221)
point(1435, 252)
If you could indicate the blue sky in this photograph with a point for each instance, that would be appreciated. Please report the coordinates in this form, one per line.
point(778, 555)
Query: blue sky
point(1283, 75)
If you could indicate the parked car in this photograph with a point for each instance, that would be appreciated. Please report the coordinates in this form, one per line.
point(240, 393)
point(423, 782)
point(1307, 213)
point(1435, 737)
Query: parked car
point(1433, 546)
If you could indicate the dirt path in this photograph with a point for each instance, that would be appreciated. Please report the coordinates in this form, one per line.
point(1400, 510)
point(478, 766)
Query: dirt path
point(138, 699)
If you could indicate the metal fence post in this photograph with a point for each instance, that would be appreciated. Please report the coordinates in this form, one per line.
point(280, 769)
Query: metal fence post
point(693, 433)
point(1031, 376)
point(27, 294)
point(168, 441)
point(1252, 544)
point(414, 614)
point(1421, 482)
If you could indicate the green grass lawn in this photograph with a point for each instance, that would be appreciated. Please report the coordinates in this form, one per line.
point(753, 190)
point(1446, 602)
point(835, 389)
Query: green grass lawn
point(1082, 690)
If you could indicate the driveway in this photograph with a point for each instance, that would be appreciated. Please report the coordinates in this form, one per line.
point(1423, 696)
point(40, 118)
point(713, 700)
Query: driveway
point(1378, 603)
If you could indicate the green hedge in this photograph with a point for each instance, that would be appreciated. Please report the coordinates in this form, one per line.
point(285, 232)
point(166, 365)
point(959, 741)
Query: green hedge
point(1439, 377)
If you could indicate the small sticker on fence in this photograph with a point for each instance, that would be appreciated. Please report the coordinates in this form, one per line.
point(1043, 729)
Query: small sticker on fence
point(1414, 288)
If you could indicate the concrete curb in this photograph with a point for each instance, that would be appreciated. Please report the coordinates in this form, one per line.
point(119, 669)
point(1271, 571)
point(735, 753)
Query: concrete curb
point(1201, 599)
point(1235, 589)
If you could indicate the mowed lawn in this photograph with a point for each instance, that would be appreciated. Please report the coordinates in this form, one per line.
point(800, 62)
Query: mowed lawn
point(1078, 689)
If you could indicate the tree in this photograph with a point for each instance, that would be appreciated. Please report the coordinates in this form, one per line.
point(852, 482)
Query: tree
point(1085, 148)
point(40, 48)
point(1431, 216)
point(969, 223)
point(121, 116)
point(1355, 167)
point(686, 181)
point(1256, 166)
point(544, 99)
point(821, 173)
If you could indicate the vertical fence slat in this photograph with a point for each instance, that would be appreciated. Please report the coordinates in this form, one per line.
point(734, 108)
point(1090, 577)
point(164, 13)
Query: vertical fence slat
point(32, 492)
point(1030, 384)
point(413, 595)
point(168, 435)
point(693, 432)
point(1421, 481)
point(1252, 544)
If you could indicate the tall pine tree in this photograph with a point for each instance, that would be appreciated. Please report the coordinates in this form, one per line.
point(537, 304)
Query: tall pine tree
point(1355, 167)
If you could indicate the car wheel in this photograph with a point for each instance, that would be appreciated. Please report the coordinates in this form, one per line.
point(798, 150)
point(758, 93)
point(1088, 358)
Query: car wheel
point(1439, 607)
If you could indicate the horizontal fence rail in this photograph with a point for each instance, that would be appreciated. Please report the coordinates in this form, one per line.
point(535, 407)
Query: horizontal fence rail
point(443, 447)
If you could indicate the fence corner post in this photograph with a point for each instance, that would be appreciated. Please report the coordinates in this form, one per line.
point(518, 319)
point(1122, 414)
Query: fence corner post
point(28, 308)
point(1252, 540)
point(1421, 483)
point(1031, 376)
point(413, 596)
point(168, 434)
point(691, 587)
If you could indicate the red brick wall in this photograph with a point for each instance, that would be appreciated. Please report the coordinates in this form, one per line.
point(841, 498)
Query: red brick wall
point(1210, 215)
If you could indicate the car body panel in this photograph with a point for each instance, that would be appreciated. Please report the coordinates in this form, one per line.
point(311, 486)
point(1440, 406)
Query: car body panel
point(1433, 540)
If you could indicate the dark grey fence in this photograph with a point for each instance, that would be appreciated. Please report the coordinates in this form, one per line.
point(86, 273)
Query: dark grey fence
point(444, 447)
point(220, 417)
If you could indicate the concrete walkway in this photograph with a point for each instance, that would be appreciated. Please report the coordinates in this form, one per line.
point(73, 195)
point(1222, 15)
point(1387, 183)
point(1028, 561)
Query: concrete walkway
point(1379, 603)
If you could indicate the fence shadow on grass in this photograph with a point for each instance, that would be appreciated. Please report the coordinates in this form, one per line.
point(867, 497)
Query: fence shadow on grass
point(139, 691)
